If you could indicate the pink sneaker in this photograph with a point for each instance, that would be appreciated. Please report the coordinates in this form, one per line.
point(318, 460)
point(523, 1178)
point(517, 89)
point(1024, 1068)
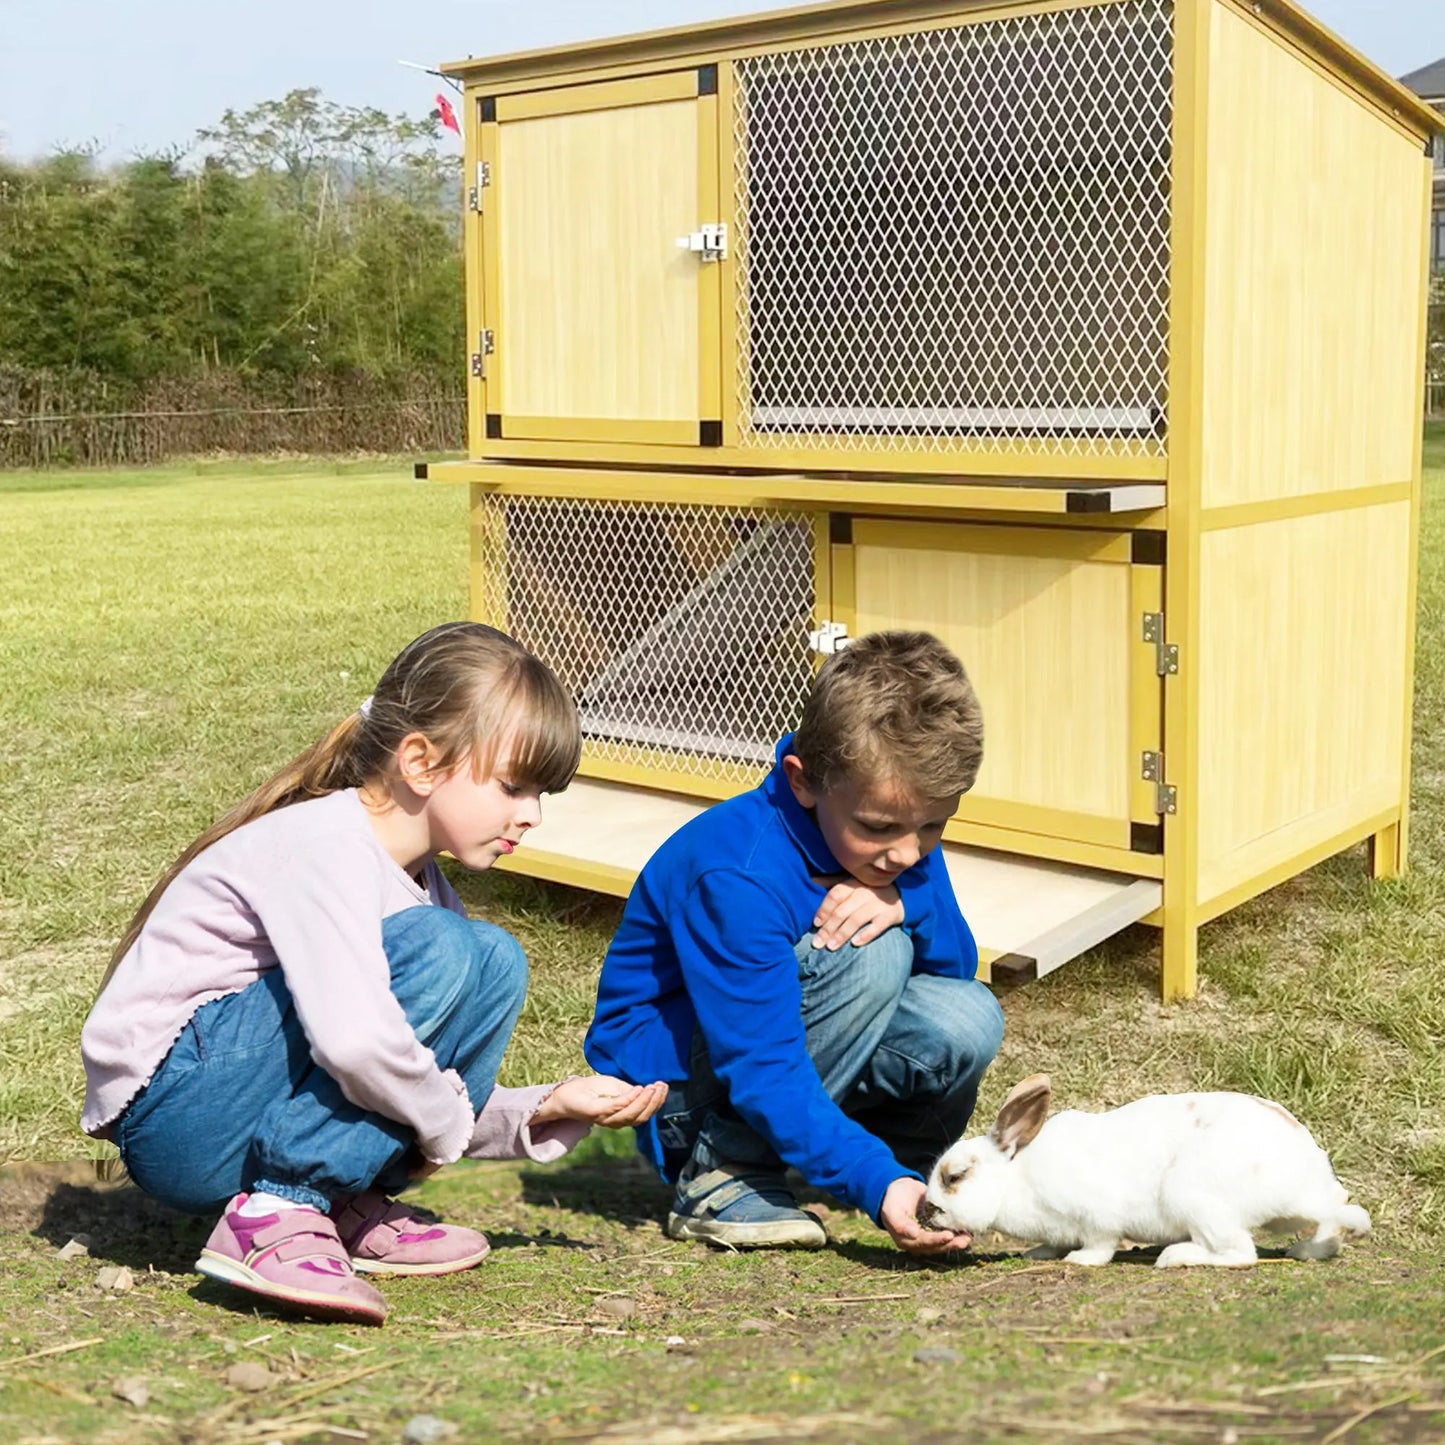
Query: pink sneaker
point(291, 1258)
point(383, 1238)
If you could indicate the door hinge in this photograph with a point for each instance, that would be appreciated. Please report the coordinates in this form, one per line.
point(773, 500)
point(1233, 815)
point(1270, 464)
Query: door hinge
point(830, 637)
point(486, 345)
point(1166, 796)
point(484, 179)
point(709, 241)
point(1166, 654)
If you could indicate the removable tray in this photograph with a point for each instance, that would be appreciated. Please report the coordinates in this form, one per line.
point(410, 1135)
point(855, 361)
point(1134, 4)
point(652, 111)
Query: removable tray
point(1028, 915)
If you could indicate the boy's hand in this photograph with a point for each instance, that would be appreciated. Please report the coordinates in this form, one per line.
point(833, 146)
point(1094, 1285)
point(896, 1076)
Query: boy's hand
point(899, 1216)
point(852, 911)
point(601, 1099)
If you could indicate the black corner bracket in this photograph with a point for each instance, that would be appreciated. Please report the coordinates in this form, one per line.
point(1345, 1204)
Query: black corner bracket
point(1012, 970)
point(1149, 547)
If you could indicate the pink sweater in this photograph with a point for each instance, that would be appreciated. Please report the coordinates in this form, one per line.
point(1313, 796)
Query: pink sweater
point(304, 889)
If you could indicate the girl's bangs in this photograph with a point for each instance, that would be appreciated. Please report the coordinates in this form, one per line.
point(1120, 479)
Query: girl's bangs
point(540, 723)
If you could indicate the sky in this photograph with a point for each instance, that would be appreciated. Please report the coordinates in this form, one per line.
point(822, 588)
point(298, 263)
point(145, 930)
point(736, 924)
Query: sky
point(139, 76)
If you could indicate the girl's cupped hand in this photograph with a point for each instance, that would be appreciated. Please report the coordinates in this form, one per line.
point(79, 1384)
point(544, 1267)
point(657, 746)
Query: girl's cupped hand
point(601, 1099)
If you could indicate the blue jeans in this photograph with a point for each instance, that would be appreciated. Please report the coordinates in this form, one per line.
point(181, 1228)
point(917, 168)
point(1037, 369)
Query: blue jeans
point(902, 1053)
point(240, 1104)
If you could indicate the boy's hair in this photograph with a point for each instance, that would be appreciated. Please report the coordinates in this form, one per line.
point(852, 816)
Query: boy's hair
point(892, 707)
point(466, 688)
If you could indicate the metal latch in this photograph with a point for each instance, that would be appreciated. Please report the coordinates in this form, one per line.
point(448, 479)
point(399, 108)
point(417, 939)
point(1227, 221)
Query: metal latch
point(486, 345)
point(710, 241)
point(484, 179)
point(1166, 797)
point(1166, 654)
point(830, 637)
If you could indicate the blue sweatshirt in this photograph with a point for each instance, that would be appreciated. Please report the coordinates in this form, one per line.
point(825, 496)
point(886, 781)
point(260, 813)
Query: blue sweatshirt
point(707, 941)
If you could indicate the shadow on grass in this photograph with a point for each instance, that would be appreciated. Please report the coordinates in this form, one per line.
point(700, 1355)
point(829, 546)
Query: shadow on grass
point(880, 1253)
point(623, 1190)
point(124, 1226)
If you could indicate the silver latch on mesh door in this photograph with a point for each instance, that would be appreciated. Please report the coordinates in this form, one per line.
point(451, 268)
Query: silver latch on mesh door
point(828, 638)
point(709, 241)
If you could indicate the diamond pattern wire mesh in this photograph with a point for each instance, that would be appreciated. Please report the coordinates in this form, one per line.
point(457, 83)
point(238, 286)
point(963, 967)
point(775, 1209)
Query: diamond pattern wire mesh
point(679, 629)
point(959, 238)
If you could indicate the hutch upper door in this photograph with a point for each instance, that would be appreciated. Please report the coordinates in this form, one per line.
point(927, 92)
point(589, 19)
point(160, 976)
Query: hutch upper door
point(603, 316)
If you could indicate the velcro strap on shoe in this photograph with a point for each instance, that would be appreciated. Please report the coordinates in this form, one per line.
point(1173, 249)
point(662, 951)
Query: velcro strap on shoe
point(289, 1238)
point(374, 1218)
point(719, 1189)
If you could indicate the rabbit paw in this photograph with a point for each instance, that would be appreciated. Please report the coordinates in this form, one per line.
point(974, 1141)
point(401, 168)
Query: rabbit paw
point(1091, 1254)
point(1189, 1252)
point(1322, 1246)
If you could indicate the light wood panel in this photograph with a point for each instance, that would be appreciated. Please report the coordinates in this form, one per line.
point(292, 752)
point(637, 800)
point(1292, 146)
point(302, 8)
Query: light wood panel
point(1179, 946)
point(599, 835)
point(473, 261)
point(1042, 622)
point(1302, 685)
point(677, 85)
point(1312, 254)
point(837, 20)
point(1030, 461)
point(1048, 505)
point(601, 307)
point(1390, 851)
point(489, 578)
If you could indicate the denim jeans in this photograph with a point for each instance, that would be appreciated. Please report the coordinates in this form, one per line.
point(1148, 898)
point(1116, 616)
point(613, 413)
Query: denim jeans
point(902, 1053)
point(239, 1103)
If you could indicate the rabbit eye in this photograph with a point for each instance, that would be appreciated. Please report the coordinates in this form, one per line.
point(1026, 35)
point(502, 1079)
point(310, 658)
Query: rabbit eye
point(952, 1178)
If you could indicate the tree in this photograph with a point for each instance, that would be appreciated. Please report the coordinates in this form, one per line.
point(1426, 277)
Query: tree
point(308, 236)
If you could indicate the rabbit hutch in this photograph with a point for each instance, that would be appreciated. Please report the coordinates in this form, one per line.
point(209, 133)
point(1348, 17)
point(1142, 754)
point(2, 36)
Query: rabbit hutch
point(1085, 334)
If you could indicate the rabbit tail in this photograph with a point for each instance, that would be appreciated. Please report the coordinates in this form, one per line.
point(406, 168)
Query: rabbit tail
point(1354, 1220)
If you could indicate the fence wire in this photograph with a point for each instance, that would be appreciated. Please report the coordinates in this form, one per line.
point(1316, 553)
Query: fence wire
point(960, 237)
point(681, 630)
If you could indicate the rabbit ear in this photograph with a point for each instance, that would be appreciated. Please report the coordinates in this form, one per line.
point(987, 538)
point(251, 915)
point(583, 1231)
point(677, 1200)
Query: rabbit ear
point(1022, 1114)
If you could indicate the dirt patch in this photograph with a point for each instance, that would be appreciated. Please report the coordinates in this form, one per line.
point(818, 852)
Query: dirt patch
point(56, 1202)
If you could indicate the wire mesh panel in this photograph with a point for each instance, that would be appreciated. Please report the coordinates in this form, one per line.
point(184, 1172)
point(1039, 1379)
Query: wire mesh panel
point(681, 630)
point(960, 237)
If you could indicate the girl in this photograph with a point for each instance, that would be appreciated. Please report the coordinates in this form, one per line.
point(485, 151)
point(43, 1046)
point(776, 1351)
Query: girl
point(302, 1018)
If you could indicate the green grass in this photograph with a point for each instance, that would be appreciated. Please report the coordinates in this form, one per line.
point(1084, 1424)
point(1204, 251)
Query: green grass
point(167, 637)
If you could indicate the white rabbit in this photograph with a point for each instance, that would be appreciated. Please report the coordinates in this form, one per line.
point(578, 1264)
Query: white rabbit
point(1195, 1172)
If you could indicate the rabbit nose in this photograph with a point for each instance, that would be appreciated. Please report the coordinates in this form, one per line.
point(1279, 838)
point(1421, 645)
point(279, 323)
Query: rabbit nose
point(929, 1215)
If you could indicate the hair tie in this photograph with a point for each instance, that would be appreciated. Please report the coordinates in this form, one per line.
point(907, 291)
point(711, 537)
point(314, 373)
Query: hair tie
point(365, 708)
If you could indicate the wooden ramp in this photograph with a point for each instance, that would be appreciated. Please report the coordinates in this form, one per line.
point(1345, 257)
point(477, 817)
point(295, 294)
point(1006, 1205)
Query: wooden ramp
point(1028, 916)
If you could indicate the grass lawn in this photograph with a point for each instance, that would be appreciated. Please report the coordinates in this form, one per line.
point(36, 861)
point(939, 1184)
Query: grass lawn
point(168, 637)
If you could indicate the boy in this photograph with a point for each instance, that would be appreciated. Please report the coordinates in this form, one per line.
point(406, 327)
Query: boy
point(857, 1065)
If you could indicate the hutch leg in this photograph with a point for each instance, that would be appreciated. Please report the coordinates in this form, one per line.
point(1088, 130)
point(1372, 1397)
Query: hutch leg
point(1179, 975)
point(1389, 850)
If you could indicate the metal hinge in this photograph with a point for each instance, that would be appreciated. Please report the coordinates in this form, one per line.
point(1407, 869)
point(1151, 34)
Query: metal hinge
point(1166, 654)
point(1166, 797)
point(486, 345)
point(830, 637)
point(484, 179)
point(709, 241)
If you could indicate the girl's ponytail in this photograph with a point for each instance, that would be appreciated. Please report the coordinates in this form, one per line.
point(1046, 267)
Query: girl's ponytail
point(325, 767)
point(466, 687)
